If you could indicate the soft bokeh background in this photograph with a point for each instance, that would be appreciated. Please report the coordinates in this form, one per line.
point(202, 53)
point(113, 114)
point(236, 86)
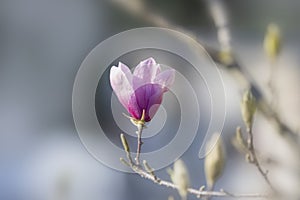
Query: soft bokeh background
point(42, 44)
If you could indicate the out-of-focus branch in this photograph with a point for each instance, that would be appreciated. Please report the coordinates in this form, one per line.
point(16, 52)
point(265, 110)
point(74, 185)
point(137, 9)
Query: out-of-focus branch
point(248, 109)
point(193, 191)
point(148, 173)
point(221, 22)
point(253, 159)
point(272, 47)
point(226, 59)
point(240, 145)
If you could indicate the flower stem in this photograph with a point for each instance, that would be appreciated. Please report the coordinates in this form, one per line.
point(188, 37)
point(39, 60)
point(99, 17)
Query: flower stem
point(139, 145)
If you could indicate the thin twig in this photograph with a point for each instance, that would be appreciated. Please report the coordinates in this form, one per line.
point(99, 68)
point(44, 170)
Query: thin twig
point(196, 192)
point(254, 160)
point(265, 159)
point(140, 143)
point(152, 177)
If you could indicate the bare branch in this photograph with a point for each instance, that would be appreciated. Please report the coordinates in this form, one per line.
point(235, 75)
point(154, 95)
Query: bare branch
point(201, 193)
point(150, 175)
point(253, 159)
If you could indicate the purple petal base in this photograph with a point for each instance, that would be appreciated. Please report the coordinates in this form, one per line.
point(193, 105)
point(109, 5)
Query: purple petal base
point(147, 97)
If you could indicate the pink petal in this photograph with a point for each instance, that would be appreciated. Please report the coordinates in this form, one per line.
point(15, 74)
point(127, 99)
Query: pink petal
point(165, 78)
point(126, 71)
point(121, 82)
point(145, 73)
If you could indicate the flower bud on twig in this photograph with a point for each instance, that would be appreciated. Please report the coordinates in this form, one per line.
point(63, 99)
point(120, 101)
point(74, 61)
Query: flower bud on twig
point(226, 57)
point(248, 107)
point(214, 161)
point(272, 42)
point(179, 176)
point(124, 143)
point(170, 198)
point(240, 139)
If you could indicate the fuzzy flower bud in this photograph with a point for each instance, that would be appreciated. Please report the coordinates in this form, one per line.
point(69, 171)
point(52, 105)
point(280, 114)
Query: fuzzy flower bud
point(248, 107)
point(179, 176)
point(272, 41)
point(226, 57)
point(239, 142)
point(124, 143)
point(214, 162)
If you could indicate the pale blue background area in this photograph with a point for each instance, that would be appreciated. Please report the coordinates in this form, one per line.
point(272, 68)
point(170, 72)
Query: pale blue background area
point(42, 44)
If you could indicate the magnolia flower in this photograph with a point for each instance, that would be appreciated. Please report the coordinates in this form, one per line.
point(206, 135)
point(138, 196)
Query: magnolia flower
point(143, 89)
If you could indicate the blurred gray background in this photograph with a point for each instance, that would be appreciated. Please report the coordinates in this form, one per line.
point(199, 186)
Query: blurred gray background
point(42, 44)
